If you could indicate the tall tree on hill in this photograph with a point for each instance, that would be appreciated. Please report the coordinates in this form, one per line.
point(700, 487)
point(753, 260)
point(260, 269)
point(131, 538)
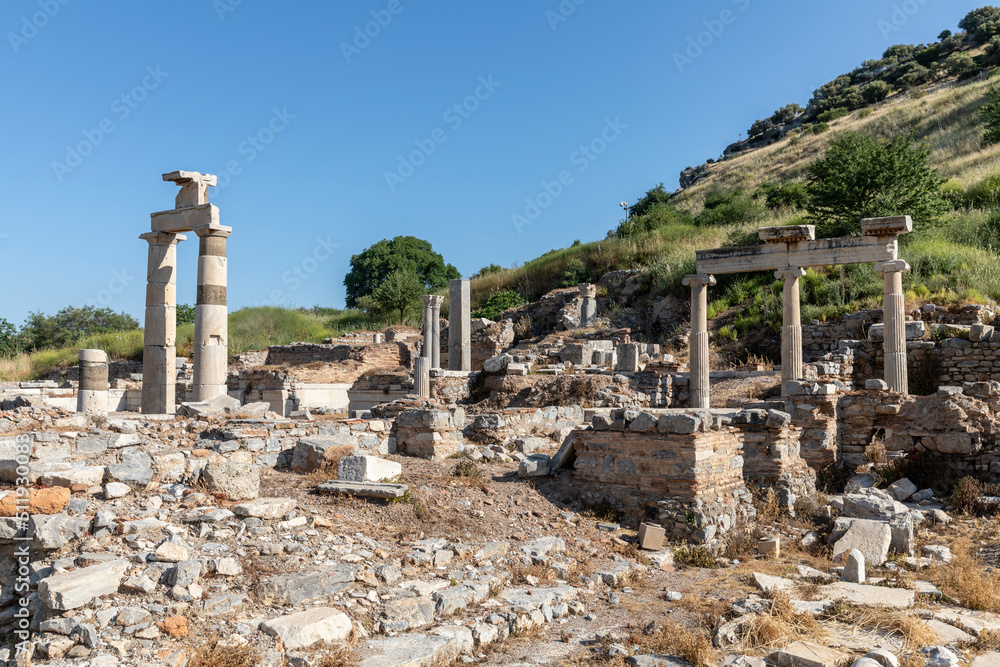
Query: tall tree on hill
point(982, 23)
point(395, 295)
point(863, 177)
point(403, 253)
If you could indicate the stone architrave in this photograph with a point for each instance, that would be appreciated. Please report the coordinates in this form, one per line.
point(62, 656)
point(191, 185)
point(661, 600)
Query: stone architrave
point(699, 284)
point(459, 326)
point(159, 356)
point(894, 332)
point(92, 395)
point(791, 326)
point(588, 305)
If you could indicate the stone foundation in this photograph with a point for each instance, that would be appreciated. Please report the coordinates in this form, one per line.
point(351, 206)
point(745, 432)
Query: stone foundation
point(430, 433)
point(771, 455)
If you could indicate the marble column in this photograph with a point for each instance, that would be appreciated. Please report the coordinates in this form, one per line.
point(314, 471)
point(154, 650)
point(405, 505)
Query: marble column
point(459, 326)
point(894, 341)
point(422, 377)
point(436, 302)
point(700, 382)
point(588, 305)
point(159, 355)
point(428, 328)
point(211, 323)
point(791, 326)
point(92, 395)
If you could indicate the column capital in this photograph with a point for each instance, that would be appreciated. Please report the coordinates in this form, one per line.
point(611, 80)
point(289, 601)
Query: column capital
point(587, 290)
point(217, 232)
point(698, 280)
point(790, 272)
point(433, 300)
point(162, 238)
point(892, 266)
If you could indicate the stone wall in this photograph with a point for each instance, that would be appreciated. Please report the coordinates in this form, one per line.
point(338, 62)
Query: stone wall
point(371, 355)
point(490, 339)
point(771, 455)
point(683, 466)
point(430, 433)
point(551, 422)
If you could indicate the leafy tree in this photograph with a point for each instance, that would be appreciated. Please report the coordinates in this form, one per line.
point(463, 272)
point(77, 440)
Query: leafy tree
point(786, 114)
point(959, 63)
point(945, 34)
point(790, 195)
point(863, 177)
point(899, 52)
point(876, 91)
point(498, 303)
point(759, 127)
point(727, 206)
point(185, 314)
point(71, 324)
point(403, 253)
point(982, 23)
point(991, 54)
point(9, 341)
point(396, 294)
point(655, 216)
point(576, 272)
point(655, 195)
point(990, 113)
point(487, 270)
point(912, 75)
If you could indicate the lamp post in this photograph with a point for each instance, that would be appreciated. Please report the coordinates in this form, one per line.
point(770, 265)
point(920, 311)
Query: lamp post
point(624, 205)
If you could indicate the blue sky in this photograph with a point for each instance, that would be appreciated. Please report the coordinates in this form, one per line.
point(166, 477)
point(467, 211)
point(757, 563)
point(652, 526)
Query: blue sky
point(447, 124)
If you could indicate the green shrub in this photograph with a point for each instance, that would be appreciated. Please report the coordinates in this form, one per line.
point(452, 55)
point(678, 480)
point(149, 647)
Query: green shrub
point(819, 128)
point(497, 303)
point(724, 206)
point(984, 193)
point(833, 114)
point(953, 192)
point(576, 272)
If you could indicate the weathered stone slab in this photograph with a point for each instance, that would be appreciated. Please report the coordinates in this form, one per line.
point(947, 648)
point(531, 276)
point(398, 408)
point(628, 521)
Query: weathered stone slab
point(871, 538)
point(301, 630)
point(302, 587)
point(365, 490)
point(367, 469)
point(236, 481)
point(413, 650)
point(807, 654)
point(75, 589)
point(265, 508)
point(863, 594)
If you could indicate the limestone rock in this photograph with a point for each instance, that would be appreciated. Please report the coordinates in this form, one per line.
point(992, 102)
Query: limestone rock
point(871, 538)
point(75, 589)
point(367, 469)
point(306, 628)
point(902, 489)
point(536, 465)
point(265, 508)
point(854, 567)
point(217, 405)
point(807, 654)
point(497, 364)
point(287, 589)
point(114, 490)
point(236, 481)
point(311, 453)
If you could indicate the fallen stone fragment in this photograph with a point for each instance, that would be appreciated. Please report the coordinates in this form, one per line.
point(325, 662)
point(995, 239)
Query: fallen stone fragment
point(413, 650)
point(854, 567)
point(75, 589)
point(871, 538)
point(862, 594)
point(807, 654)
point(306, 628)
point(365, 490)
point(536, 465)
point(236, 481)
point(302, 587)
point(265, 508)
point(367, 469)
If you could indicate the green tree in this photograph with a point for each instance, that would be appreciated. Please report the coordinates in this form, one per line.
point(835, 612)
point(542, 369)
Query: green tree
point(759, 127)
point(395, 295)
point(990, 113)
point(487, 270)
point(991, 53)
point(576, 272)
point(982, 23)
point(9, 341)
point(185, 314)
point(656, 195)
point(876, 91)
point(862, 177)
point(959, 63)
point(945, 34)
point(71, 324)
point(498, 303)
point(403, 253)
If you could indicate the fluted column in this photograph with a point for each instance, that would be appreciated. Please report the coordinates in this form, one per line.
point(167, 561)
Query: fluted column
point(211, 324)
point(159, 355)
point(436, 302)
point(700, 382)
point(428, 328)
point(422, 377)
point(894, 340)
point(791, 326)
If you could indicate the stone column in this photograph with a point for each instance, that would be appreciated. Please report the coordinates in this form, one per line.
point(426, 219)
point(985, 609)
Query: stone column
point(436, 302)
point(894, 341)
point(459, 326)
point(159, 356)
point(700, 383)
point(92, 396)
point(791, 326)
point(428, 328)
point(588, 307)
point(211, 324)
point(422, 377)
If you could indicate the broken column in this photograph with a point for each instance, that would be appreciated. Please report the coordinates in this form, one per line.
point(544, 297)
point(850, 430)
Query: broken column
point(422, 377)
point(699, 284)
point(159, 367)
point(588, 306)
point(92, 396)
point(791, 326)
point(211, 317)
point(894, 340)
point(459, 326)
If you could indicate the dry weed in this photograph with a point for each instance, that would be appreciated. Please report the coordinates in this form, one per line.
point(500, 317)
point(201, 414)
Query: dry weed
point(216, 653)
point(968, 580)
point(912, 629)
point(780, 625)
point(541, 574)
point(695, 646)
point(337, 655)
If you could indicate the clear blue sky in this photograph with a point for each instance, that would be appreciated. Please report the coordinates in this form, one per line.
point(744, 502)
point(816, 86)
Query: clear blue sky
point(103, 98)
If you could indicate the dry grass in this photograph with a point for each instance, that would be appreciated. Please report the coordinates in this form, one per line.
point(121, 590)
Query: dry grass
point(695, 646)
point(216, 653)
point(967, 580)
point(337, 655)
point(912, 629)
point(542, 574)
point(781, 625)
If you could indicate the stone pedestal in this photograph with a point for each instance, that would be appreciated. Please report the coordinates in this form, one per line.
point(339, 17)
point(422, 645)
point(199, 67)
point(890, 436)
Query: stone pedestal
point(894, 341)
point(700, 383)
point(92, 396)
point(159, 368)
point(588, 307)
point(432, 329)
point(422, 377)
point(459, 326)
point(627, 358)
point(791, 326)
point(211, 325)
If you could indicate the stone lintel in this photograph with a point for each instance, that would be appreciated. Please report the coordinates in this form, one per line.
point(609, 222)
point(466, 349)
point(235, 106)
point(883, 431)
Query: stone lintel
point(698, 280)
point(787, 234)
point(182, 177)
point(899, 224)
point(774, 256)
point(893, 266)
point(784, 274)
point(191, 218)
